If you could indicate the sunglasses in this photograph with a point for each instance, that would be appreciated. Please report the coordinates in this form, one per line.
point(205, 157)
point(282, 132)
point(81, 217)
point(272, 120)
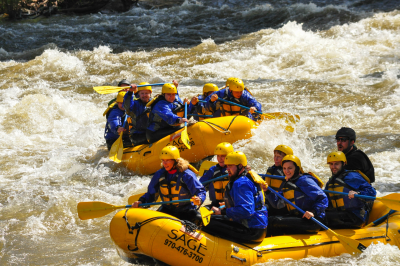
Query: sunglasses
point(342, 139)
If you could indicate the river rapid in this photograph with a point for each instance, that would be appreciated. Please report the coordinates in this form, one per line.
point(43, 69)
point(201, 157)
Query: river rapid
point(333, 63)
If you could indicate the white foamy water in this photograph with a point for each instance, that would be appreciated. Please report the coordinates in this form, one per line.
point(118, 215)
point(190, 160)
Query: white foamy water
point(53, 156)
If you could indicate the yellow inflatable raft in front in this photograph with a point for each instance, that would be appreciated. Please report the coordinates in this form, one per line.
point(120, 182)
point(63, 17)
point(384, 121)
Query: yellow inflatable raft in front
point(204, 136)
point(142, 232)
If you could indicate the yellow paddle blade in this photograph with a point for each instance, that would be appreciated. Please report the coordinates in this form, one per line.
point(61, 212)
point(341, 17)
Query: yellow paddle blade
point(185, 138)
point(205, 215)
point(205, 166)
point(392, 201)
point(134, 198)
point(95, 209)
point(108, 89)
point(117, 150)
point(193, 169)
point(351, 245)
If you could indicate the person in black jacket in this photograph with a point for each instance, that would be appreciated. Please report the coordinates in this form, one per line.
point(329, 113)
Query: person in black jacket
point(356, 159)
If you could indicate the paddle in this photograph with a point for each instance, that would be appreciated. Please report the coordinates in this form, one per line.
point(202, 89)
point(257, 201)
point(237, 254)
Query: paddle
point(134, 198)
point(96, 209)
point(201, 115)
point(392, 200)
point(381, 219)
point(351, 245)
point(184, 134)
point(117, 149)
point(112, 89)
point(205, 214)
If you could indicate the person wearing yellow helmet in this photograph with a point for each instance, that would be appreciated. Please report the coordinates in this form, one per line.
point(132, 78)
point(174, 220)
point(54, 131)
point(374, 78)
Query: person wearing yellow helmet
point(166, 115)
point(279, 153)
point(197, 105)
point(356, 158)
point(347, 211)
point(115, 115)
point(245, 217)
point(217, 188)
point(139, 113)
point(175, 181)
point(235, 93)
point(304, 191)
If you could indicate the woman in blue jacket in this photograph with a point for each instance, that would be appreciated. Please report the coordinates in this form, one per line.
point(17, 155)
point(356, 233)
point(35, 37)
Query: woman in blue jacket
point(175, 181)
point(302, 190)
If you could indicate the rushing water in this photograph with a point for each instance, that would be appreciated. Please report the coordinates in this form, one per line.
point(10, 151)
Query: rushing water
point(334, 63)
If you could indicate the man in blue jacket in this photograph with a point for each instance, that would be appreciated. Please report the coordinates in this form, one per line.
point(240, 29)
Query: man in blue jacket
point(139, 113)
point(115, 115)
point(235, 93)
point(175, 181)
point(245, 217)
point(167, 111)
point(347, 211)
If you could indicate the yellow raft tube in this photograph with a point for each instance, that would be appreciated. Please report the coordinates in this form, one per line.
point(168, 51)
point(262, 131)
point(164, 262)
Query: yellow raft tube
point(204, 137)
point(165, 239)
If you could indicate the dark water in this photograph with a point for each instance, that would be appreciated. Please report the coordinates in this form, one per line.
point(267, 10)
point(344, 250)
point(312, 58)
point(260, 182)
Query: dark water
point(182, 25)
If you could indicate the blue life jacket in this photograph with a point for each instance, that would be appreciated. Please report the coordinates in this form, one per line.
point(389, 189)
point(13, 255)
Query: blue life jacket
point(244, 201)
point(200, 109)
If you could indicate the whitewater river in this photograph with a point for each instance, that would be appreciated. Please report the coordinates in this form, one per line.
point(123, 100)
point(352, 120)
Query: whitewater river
point(335, 64)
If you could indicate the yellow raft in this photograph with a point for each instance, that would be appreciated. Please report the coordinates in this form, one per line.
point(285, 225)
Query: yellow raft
point(142, 232)
point(204, 136)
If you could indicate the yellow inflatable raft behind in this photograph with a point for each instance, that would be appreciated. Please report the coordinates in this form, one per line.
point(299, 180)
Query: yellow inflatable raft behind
point(204, 136)
point(138, 232)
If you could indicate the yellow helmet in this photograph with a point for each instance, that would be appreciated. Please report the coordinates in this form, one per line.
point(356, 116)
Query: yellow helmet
point(236, 158)
point(147, 88)
point(170, 152)
point(223, 148)
point(120, 96)
point(292, 158)
point(285, 149)
point(169, 88)
point(228, 81)
point(210, 87)
point(336, 156)
point(236, 85)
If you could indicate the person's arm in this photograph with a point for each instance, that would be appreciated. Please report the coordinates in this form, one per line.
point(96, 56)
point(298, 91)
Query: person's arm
point(115, 120)
point(244, 200)
point(210, 104)
point(316, 194)
point(207, 176)
point(361, 186)
point(165, 112)
point(129, 104)
point(195, 187)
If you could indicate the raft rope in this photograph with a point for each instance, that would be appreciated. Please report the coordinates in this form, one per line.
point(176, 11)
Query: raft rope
point(226, 131)
point(189, 226)
point(387, 228)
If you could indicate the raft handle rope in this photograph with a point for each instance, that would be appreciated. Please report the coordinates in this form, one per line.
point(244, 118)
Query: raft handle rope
point(189, 226)
point(387, 229)
point(226, 131)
